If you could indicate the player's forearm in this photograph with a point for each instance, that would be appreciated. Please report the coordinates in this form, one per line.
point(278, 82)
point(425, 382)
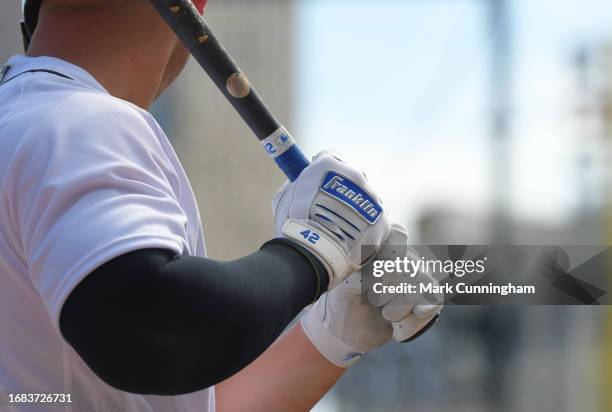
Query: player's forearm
point(290, 376)
point(147, 323)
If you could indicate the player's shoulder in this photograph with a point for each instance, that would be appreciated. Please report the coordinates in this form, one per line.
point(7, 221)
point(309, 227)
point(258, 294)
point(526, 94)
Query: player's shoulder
point(65, 127)
point(83, 117)
point(88, 109)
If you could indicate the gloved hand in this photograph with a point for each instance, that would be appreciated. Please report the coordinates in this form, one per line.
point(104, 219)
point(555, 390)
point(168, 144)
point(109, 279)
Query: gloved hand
point(409, 314)
point(344, 328)
point(331, 210)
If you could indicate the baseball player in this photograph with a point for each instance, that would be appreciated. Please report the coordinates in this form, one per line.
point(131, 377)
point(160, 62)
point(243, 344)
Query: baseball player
point(106, 296)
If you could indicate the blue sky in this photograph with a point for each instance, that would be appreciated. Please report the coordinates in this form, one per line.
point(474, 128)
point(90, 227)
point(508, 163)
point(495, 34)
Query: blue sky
point(401, 87)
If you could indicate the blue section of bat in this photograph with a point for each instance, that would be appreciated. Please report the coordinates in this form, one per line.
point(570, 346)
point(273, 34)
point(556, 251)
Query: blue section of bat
point(292, 162)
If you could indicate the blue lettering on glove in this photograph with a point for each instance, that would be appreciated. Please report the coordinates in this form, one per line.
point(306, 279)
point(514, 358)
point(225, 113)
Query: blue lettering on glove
point(352, 195)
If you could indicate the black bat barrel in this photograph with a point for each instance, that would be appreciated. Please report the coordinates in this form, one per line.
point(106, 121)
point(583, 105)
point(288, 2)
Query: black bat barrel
point(195, 34)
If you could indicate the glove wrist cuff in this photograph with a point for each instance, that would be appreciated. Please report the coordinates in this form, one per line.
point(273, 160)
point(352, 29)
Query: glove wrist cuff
point(330, 346)
point(317, 241)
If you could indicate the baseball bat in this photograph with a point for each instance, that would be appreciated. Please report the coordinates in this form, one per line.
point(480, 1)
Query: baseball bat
point(190, 27)
point(205, 47)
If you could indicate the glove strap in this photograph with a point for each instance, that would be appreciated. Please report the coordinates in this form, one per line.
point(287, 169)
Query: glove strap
point(319, 243)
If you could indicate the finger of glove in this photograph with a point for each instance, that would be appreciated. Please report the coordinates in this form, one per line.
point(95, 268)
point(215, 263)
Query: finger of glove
point(389, 279)
point(398, 234)
point(398, 227)
point(435, 299)
point(277, 199)
point(327, 160)
point(410, 325)
point(279, 195)
point(426, 311)
point(378, 299)
point(328, 152)
point(411, 328)
point(396, 312)
point(395, 279)
point(393, 247)
point(396, 245)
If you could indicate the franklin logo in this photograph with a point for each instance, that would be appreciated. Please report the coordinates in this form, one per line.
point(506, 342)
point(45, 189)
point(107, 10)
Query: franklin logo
point(351, 194)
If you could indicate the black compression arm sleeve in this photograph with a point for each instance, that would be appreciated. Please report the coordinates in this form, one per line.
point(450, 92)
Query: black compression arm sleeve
point(151, 323)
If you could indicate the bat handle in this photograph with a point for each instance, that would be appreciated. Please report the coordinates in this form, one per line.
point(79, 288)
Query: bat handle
point(282, 148)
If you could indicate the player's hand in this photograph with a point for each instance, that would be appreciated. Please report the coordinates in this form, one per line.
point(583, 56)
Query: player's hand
point(410, 315)
point(331, 210)
point(343, 327)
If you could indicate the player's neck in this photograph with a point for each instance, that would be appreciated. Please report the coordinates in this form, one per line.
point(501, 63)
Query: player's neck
point(128, 65)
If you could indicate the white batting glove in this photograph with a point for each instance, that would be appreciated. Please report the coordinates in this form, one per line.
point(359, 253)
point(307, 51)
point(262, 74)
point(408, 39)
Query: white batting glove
point(344, 328)
point(331, 210)
point(408, 314)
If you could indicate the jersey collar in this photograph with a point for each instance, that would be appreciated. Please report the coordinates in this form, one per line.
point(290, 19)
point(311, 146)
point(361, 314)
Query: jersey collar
point(21, 63)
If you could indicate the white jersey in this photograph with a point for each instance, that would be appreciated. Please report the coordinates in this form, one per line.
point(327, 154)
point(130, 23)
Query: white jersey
point(84, 177)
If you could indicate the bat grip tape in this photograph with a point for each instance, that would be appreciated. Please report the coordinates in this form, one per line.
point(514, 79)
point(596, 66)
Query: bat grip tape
point(281, 147)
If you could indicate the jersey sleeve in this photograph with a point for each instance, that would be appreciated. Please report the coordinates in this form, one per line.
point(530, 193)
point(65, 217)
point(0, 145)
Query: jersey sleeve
point(84, 193)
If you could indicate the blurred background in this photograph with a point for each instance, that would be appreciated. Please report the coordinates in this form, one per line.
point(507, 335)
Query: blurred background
point(480, 121)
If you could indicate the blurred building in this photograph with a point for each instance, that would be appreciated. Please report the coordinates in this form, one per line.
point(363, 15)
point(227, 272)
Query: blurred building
point(232, 177)
point(533, 358)
point(10, 33)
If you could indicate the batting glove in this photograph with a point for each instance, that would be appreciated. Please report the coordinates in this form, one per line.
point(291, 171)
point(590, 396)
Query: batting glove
point(331, 210)
point(409, 314)
point(344, 328)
